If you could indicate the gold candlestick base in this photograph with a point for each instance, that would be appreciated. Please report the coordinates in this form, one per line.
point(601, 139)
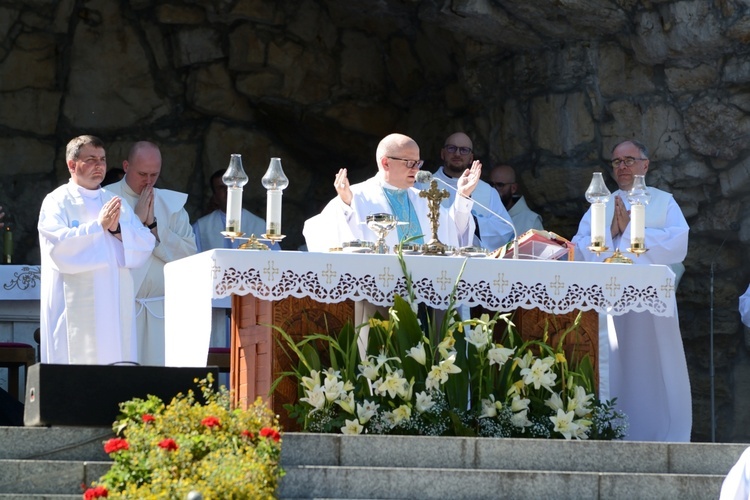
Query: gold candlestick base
point(253, 244)
point(434, 247)
point(618, 258)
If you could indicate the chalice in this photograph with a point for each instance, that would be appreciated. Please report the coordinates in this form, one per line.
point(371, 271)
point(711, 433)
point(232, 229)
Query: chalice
point(381, 224)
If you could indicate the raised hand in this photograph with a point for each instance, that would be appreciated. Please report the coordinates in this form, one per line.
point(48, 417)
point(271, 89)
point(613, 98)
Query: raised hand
point(469, 179)
point(341, 183)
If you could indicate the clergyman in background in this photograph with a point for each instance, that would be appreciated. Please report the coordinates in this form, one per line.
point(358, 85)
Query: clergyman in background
point(503, 179)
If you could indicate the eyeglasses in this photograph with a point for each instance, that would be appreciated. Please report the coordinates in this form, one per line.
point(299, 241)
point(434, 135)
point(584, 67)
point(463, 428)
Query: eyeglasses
point(463, 150)
point(409, 163)
point(500, 185)
point(628, 161)
point(93, 160)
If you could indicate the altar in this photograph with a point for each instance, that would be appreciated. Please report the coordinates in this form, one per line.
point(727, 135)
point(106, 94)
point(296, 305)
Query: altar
point(257, 279)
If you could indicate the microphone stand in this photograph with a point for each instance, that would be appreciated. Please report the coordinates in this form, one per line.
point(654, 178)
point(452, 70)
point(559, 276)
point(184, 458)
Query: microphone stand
point(426, 177)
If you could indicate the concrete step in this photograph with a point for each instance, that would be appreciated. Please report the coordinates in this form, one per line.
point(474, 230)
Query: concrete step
point(54, 462)
point(410, 482)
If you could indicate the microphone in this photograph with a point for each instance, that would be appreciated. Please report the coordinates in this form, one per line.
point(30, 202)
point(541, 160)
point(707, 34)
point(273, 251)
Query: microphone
point(424, 177)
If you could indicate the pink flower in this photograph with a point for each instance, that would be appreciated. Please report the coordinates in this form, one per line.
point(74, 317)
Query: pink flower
point(147, 417)
point(210, 422)
point(270, 433)
point(115, 445)
point(168, 444)
point(96, 492)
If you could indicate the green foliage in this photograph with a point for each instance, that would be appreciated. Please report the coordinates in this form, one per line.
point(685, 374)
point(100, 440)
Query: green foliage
point(167, 451)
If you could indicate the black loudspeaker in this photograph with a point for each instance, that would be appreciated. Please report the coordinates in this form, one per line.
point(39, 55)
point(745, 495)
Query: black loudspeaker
point(90, 395)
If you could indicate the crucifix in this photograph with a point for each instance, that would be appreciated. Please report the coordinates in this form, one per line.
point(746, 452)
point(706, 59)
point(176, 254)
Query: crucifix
point(434, 197)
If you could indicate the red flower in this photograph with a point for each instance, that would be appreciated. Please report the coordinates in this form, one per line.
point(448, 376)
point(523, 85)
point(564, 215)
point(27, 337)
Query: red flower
point(115, 445)
point(96, 492)
point(147, 417)
point(248, 434)
point(168, 444)
point(270, 433)
point(210, 422)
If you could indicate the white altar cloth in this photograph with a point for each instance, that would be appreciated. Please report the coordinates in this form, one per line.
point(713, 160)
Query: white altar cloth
point(498, 284)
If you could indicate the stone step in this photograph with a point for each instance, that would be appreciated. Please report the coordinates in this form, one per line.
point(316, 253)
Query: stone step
point(54, 462)
point(411, 482)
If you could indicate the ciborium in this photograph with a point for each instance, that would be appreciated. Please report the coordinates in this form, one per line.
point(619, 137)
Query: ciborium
point(381, 224)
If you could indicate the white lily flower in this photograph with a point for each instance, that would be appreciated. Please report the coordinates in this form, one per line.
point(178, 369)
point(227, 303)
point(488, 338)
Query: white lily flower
point(499, 355)
point(418, 353)
point(368, 370)
point(333, 388)
point(433, 378)
point(539, 375)
point(424, 402)
point(448, 366)
point(583, 428)
point(401, 413)
point(520, 419)
point(351, 428)
point(347, 403)
point(519, 404)
point(478, 337)
point(312, 381)
point(580, 402)
point(315, 398)
point(489, 409)
point(555, 402)
point(366, 410)
point(393, 384)
point(564, 423)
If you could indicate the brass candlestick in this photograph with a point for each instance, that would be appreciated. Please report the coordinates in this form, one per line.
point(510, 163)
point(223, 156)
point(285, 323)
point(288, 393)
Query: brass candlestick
point(434, 197)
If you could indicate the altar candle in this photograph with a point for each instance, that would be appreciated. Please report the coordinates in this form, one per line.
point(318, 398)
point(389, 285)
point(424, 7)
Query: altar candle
point(273, 212)
point(234, 209)
point(637, 223)
point(7, 246)
point(597, 223)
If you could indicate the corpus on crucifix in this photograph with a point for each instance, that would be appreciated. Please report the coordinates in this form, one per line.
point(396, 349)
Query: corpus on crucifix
point(434, 197)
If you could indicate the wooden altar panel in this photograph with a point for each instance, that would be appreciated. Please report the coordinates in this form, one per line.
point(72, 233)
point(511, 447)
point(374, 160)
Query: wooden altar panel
point(257, 358)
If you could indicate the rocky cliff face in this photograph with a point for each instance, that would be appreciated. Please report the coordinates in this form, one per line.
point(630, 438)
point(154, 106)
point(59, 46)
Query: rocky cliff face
point(548, 87)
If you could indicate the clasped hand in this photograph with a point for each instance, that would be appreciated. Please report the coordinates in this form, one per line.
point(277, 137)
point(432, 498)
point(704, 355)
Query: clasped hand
point(144, 208)
point(109, 215)
point(621, 218)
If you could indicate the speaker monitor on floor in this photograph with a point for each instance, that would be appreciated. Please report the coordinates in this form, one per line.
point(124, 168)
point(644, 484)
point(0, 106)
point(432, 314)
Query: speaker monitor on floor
point(90, 395)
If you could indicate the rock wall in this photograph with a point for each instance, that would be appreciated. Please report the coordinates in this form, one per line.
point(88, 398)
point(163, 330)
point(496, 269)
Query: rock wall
point(549, 87)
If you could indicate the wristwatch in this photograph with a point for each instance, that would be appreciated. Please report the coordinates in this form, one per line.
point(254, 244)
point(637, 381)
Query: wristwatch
point(152, 225)
point(116, 231)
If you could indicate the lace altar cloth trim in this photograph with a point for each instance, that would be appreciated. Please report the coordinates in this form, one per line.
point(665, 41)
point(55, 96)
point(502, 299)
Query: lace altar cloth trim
point(497, 284)
point(20, 282)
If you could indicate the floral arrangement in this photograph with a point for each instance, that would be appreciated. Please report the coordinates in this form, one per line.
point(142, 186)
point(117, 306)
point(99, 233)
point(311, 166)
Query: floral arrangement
point(191, 445)
point(451, 380)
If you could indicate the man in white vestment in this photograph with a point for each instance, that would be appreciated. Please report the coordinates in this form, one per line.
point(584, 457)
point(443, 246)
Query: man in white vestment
point(744, 307)
point(492, 231)
point(503, 179)
point(392, 191)
point(162, 212)
point(648, 371)
point(89, 242)
point(209, 227)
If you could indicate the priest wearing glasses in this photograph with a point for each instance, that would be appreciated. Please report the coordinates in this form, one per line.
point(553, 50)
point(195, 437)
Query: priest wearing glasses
point(391, 190)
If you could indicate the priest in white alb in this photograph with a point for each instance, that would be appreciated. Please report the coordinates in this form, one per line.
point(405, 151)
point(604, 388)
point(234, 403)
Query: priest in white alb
point(89, 241)
point(647, 368)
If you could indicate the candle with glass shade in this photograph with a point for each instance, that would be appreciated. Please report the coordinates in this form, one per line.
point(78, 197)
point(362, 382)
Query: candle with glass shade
point(235, 179)
point(275, 182)
point(638, 196)
point(598, 195)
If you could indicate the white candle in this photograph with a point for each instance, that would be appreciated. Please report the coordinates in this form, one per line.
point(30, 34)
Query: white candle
point(597, 224)
point(234, 209)
point(273, 212)
point(637, 224)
